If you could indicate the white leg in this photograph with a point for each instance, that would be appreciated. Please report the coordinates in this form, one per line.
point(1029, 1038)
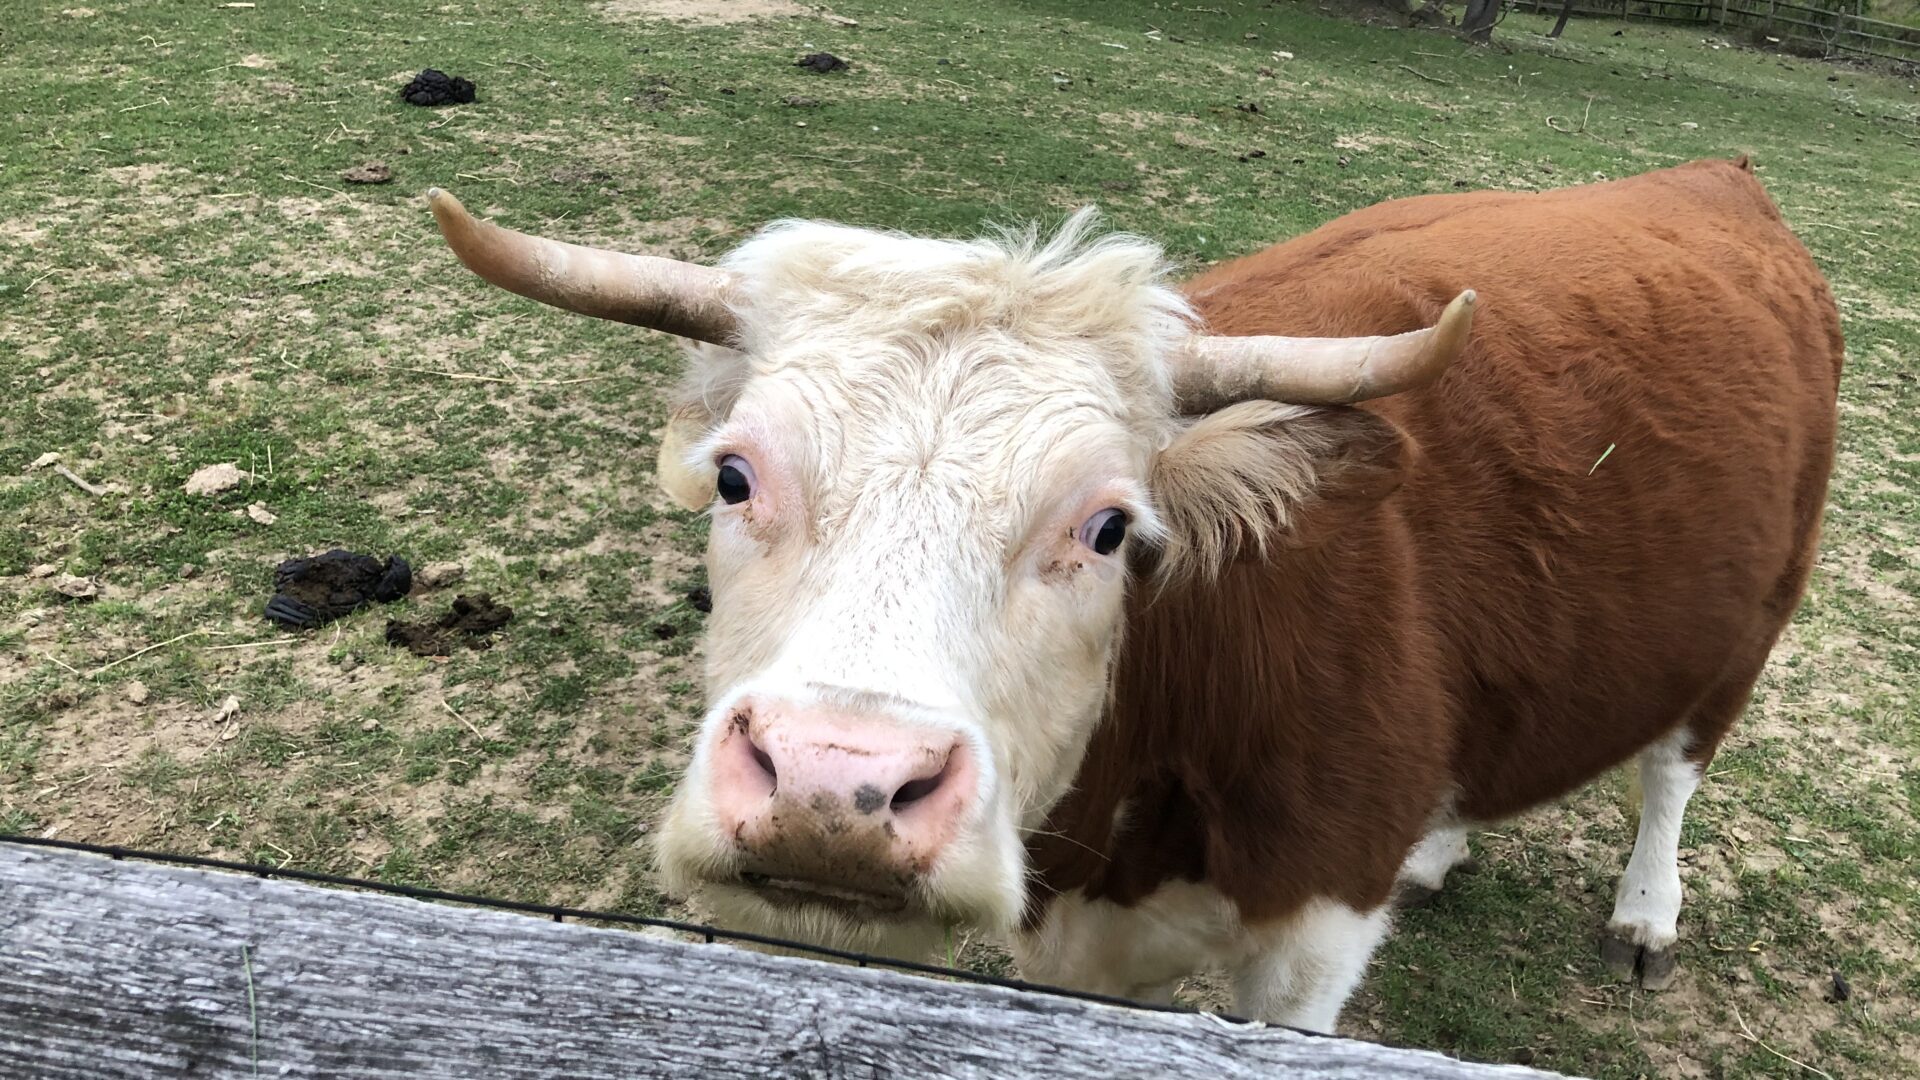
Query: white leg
point(1304, 977)
point(1142, 951)
point(1425, 869)
point(1646, 910)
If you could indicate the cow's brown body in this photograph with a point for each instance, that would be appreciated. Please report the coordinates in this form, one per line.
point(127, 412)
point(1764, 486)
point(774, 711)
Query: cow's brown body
point(1529, 607)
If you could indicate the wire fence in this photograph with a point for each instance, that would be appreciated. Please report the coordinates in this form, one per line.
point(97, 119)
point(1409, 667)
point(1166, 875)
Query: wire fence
point(1827, 32)
point(710, 934)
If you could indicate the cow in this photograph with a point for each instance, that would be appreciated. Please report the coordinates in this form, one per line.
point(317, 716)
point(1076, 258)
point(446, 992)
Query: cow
point(1164, 628)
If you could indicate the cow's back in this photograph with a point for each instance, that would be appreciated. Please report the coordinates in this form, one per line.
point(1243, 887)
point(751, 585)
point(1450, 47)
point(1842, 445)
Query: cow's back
point(1620, 483)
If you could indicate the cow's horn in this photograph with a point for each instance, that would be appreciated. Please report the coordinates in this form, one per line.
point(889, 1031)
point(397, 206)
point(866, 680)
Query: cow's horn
point(1218, 370)
point(646, 290)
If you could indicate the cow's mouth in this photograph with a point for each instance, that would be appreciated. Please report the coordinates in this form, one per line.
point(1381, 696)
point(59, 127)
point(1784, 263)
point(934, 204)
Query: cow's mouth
point(790, 892)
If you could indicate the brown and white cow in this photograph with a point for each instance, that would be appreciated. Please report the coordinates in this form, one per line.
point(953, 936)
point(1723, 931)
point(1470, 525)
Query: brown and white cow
point(1057, 600)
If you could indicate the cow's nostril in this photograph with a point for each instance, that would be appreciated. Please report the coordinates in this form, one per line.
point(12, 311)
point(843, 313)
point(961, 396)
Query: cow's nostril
point(914, 790)
point(761, 759)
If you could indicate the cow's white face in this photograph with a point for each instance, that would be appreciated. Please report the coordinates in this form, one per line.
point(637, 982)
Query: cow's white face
point(926, 468)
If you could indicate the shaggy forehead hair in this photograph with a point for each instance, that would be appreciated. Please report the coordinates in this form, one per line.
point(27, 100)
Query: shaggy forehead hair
point(1075, 313)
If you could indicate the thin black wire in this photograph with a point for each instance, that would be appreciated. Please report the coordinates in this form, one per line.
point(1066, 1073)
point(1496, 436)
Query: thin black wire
point(559, 914)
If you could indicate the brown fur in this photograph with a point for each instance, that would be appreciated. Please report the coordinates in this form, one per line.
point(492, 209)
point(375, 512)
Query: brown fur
point(1509, 621)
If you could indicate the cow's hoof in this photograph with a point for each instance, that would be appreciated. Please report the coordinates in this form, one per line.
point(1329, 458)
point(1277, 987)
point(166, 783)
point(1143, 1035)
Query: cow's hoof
point(1652, 968)
point(1408, 895)
point(1657, 968)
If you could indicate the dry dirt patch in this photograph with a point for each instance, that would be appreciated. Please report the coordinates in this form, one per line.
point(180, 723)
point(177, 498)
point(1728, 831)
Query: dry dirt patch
point(1362, 142)
point(701, 12)
point(139, 175)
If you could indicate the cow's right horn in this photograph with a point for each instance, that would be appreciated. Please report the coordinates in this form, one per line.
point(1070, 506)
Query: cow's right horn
point(645, 290)
point(1219, 370)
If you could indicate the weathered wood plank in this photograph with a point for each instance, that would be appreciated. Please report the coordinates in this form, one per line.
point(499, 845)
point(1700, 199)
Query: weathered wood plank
point(128, 969)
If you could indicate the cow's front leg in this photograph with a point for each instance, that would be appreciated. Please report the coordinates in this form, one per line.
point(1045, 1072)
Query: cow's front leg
point(1442, 851)
point(1141, 951)
point(1308, 965)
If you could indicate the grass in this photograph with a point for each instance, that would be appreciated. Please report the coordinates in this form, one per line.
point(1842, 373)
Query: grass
point(186, 280)
point(1900, 11)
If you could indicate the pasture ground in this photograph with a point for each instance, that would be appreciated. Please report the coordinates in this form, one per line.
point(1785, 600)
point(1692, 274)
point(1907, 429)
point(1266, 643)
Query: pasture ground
point(185, 279)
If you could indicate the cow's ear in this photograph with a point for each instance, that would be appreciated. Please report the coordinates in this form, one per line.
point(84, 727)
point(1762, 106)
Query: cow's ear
point(707, 392)
point(1259, 476)
point(683, 481)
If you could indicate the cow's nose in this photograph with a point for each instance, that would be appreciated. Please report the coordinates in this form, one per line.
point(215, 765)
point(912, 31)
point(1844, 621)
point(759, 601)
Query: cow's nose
point(851, 803)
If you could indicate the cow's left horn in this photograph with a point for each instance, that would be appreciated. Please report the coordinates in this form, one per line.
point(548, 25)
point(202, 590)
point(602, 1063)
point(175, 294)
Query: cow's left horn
point(1218, 371)
point(645, 290)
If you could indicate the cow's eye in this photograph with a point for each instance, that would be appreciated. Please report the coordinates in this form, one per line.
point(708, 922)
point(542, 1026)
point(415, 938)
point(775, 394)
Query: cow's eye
point(735, 483)
point(1104, 531)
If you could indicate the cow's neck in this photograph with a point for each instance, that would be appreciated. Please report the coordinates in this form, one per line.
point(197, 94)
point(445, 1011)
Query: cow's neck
point(1216, 761)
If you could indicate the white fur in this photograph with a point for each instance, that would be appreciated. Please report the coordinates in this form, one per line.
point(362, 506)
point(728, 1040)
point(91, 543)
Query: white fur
point(1305, 976)
point(1138, 951)
point(1296, 972)
point(1646, 909)
point(1440, 850)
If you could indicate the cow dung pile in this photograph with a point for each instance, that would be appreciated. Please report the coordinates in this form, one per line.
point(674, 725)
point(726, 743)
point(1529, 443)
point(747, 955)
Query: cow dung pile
point(372, 172)
point(821, 63)
point(315, 591)
point(469, 621)
point(436, 87)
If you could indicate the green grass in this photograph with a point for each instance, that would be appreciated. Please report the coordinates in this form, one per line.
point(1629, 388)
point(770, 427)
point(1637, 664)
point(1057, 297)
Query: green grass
point(184, 279)
point(1900, 11)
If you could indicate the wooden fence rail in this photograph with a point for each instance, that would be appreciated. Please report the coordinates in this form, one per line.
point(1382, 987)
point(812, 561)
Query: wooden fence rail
point(126, 969)
point(1826, 30)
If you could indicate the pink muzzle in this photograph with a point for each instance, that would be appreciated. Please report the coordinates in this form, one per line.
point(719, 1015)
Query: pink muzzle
point(841, 808)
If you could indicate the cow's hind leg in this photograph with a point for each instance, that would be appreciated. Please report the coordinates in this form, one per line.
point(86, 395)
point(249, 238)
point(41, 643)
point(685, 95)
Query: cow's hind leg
point(1640, 936)
point(1646, 909)
point(1310, 966)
